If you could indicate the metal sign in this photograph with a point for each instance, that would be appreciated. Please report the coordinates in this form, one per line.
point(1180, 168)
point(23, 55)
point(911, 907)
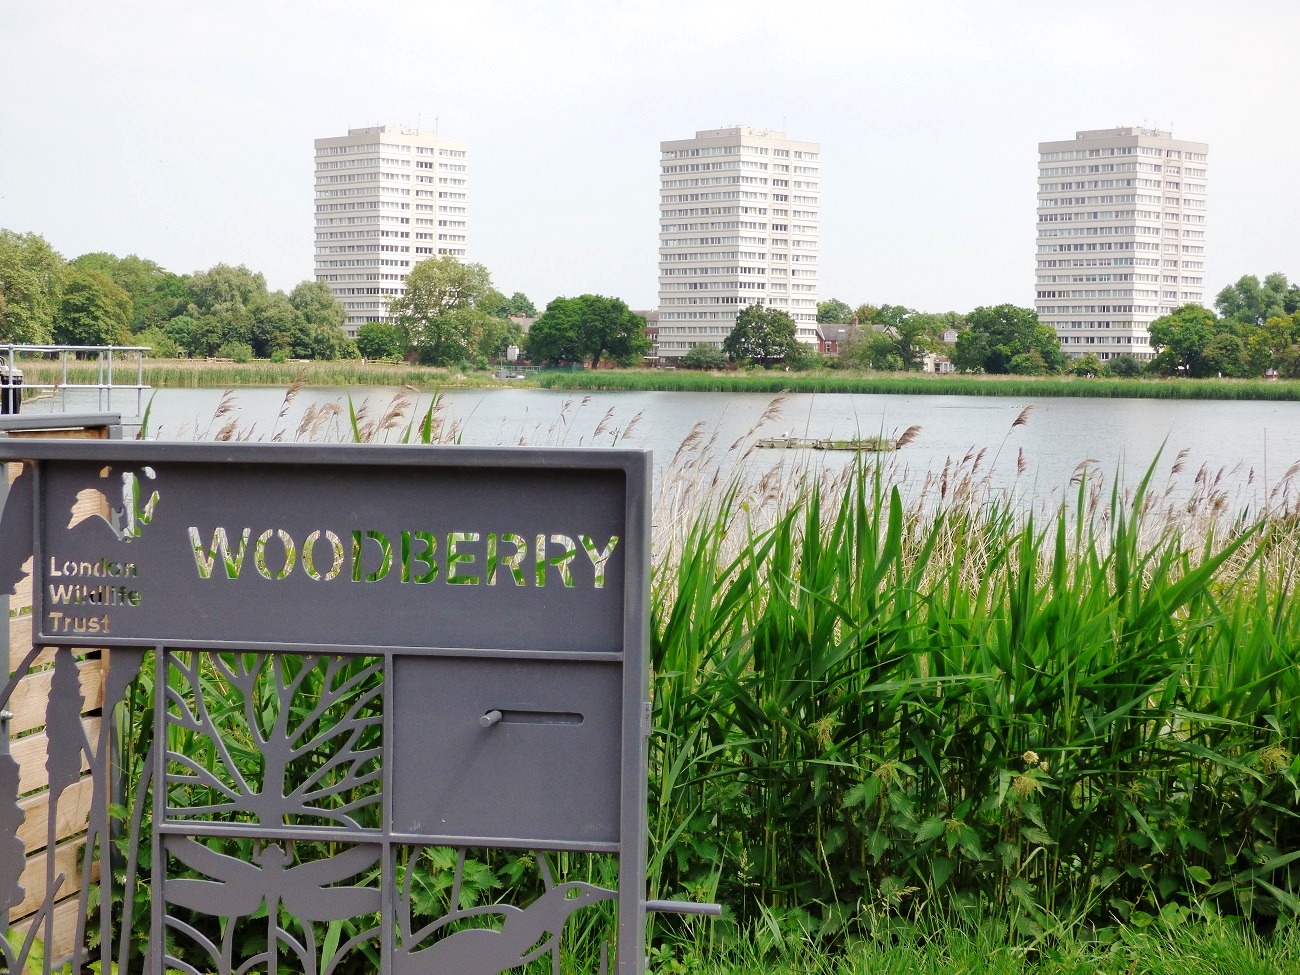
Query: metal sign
point(358, 654)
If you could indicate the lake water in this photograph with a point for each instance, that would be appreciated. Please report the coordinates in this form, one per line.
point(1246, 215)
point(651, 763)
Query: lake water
point(1247, 445)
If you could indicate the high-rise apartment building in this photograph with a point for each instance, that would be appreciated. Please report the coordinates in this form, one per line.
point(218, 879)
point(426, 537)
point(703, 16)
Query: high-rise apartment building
point(387, 197)
point(1121, 236)
point(739, 219)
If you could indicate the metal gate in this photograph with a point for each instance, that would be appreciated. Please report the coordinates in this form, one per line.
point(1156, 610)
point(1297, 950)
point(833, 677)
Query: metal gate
point(342, 679)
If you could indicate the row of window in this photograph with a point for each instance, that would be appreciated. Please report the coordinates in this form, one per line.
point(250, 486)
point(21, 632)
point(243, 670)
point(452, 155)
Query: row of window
point(1093, 278)
point(1101, 293)
point(677, 228)
point(712, 212)
point(1119, 151)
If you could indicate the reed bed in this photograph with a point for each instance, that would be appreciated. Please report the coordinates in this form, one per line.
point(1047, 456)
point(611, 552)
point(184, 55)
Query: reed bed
point(199, 374)
point(916, 384)
point(869, 706)
point(196, 374)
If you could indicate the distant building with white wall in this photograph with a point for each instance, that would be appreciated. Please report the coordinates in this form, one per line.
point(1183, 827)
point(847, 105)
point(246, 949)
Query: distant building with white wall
point(1121, 236)
point(387, 197)
point(739, 224)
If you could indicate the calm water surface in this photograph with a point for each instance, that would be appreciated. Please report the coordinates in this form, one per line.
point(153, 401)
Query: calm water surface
point(1251, 443)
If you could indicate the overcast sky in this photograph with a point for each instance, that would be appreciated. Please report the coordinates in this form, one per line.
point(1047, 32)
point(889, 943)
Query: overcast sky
point(182, 131)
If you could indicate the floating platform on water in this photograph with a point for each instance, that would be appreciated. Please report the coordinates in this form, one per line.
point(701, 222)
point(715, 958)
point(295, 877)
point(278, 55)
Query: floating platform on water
point(872, 444)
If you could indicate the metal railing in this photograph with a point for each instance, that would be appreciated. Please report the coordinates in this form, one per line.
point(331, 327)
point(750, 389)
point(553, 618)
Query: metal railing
point(104, 357)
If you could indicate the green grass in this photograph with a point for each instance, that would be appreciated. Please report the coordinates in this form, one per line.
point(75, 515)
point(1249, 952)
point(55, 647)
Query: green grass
point(917, 384)
point(1200, 947)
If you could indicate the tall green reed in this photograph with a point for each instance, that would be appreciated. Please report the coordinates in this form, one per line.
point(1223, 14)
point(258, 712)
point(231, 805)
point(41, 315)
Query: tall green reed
point(866, 705)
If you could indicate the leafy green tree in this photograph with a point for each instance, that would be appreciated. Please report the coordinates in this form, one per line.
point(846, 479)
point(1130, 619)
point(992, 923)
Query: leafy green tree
point(761, 335)
point(1027, 364)
point(273, 324)
point(167, 300)
point(556, 335)
point(137, 276)
point(995, 336)
point(610, 329)
point(869, 349)
point(180, 330)
point(1275, 346)
point(207, 333)
point(1248, 302)
point(704, 356)
point(494, 303)
point(834, 312)
point(160, 346)
point(494, 335)
point(31, 286)
point(1122, 366)
point(381, 340)
point(1180, 340)
point(432, 312)
point(1085, 365)
point(317, 331)
point(224, 285)
point(1225, 354)
point(92, 311)
point(316, 340)
point(225, 303)
point(235, 351)
point(520, 307)
point(913, 341)
point(864, 314)
point(317, 304)
point(589, 327)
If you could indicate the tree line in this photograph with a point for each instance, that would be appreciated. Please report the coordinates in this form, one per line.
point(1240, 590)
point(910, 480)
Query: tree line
point(102, 299)
point(451, 313)
point(1256, 331)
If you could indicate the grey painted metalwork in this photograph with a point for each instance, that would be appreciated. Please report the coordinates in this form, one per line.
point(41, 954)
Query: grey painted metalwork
point(360, 655)
point(30, 423)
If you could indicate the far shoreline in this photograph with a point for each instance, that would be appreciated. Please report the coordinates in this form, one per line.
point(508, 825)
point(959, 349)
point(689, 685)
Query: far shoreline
point(194, 374)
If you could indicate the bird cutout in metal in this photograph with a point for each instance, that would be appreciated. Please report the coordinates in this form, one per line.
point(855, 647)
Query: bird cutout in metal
point(525, 934)
point(127, 521)
point(321, 755)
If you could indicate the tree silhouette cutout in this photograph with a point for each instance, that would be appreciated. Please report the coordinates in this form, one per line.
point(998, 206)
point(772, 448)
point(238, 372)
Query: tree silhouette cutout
point(275, 738)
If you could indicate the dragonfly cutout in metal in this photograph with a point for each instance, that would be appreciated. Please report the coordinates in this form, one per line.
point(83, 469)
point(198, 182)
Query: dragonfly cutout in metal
point(239, 888)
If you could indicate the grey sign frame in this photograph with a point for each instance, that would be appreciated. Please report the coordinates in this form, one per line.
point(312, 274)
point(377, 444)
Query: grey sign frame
point(619, 482)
